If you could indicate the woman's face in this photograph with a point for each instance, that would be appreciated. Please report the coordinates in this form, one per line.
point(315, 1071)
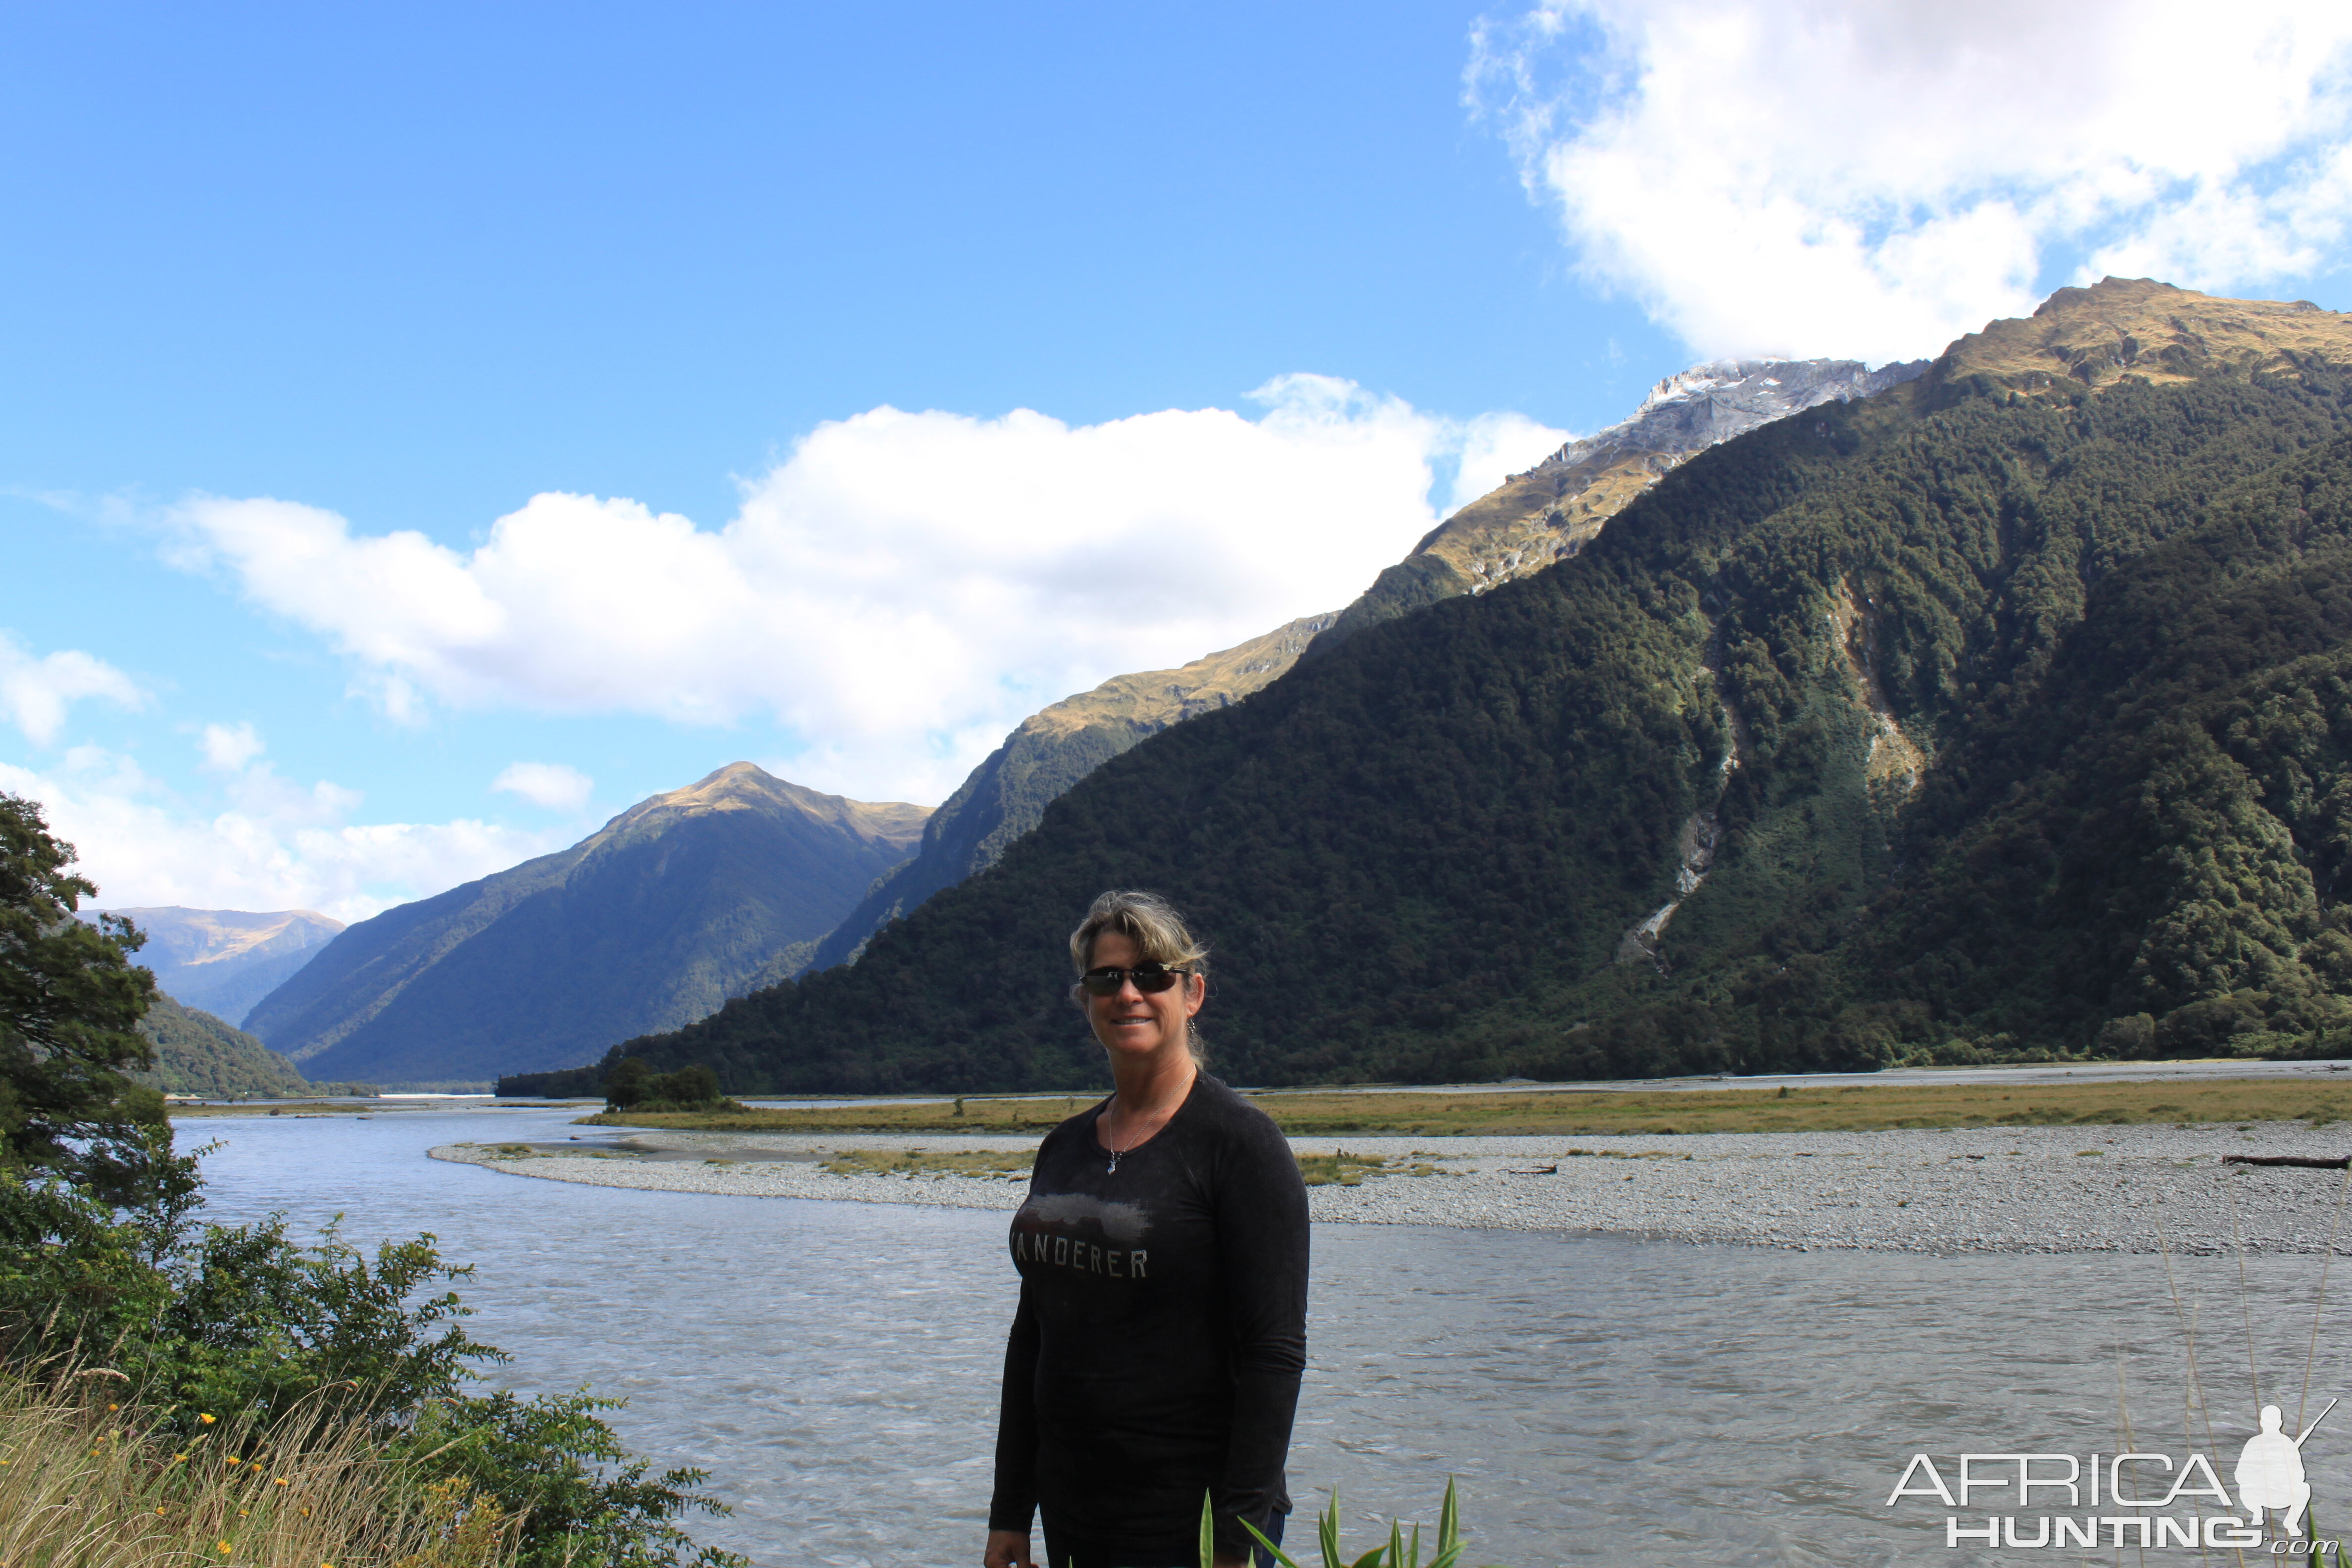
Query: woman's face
point(1131, 1023)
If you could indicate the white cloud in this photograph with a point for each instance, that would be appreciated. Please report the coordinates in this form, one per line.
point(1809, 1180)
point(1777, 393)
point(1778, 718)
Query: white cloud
point(1875, 178)
point(36, 693)
point(274, 847)
point(551, 785)
point(227, 750)
point(899, 591)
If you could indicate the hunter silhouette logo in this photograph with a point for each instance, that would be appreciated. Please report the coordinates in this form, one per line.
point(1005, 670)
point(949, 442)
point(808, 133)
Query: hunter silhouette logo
point(2141, 1499)
point(2270, 1471)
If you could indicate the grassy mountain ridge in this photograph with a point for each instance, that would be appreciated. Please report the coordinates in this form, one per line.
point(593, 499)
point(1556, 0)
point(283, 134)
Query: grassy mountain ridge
point(649, 923)
point(1052, 749)
point(1549, 513)
point(2149, 332)
point(1775, 774)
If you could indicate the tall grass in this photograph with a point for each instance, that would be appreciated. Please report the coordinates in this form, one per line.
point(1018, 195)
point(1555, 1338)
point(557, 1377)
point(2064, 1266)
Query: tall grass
point(90, 1480)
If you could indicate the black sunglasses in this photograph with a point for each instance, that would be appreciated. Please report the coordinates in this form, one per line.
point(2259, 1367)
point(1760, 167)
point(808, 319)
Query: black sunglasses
point(1149, 978)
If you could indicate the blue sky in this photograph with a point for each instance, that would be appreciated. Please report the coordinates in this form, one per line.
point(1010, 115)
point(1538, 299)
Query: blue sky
point(303, 302)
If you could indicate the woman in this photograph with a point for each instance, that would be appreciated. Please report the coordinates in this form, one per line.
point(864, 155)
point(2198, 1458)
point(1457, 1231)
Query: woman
point(1163, 1254)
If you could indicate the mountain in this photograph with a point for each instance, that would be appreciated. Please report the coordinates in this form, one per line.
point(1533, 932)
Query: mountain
point(2007, 710)
point(1525, 524)
point(1555, 508)
point(225, 961)
point(196, 1053)
point(1052, 749)
point(651, 922)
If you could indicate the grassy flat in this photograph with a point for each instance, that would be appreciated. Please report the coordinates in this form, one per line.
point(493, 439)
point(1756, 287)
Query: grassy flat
point(337, 1107)
point(281, 1107)
point(1851, 1108)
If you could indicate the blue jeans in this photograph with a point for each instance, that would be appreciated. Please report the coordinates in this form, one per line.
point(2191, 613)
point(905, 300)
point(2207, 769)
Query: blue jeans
point(1076, 1552)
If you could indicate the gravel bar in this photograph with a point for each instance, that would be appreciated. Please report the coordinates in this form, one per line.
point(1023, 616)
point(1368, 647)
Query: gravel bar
point(2139, 1188)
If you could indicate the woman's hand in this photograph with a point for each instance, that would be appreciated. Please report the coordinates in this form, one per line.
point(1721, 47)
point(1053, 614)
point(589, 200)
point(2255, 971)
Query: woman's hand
point(1008, 1549)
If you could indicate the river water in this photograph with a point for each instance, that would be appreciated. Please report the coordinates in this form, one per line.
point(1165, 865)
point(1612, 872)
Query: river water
point(834, 1366)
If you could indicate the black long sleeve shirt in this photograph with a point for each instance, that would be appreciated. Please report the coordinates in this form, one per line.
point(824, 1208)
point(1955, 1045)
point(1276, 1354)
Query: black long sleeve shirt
point(1161, 1332)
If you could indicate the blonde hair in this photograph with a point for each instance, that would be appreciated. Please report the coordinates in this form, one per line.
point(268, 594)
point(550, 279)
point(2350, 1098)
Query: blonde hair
point(1160, 934)
point(1146, 919)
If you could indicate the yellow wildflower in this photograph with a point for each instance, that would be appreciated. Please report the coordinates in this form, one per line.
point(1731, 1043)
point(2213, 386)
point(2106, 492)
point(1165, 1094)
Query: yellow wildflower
point(207, 1420)
point(224, 1546)
point(283, 1481)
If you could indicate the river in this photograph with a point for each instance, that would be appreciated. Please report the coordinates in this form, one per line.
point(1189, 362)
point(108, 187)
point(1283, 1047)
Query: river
point(834, 1366)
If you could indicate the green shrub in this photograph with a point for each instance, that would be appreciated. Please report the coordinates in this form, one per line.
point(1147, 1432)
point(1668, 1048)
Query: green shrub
point(632, 1086)
point(243, 1323)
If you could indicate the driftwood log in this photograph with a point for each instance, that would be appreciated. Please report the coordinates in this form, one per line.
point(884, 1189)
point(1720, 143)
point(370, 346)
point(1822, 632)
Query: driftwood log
point(2307, 1161)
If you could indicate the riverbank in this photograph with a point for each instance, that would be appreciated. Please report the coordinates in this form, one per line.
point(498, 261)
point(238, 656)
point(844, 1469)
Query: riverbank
point(2045, 1094)
point(2107, 1188)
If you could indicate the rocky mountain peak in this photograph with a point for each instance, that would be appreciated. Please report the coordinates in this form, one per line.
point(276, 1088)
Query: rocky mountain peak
point(747, 786)
point(2087, 339)
point(1694, 409)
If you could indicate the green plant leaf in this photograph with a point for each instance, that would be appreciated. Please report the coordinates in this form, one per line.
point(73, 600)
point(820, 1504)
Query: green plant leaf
point(1449, 1529)
point(1279, 1556)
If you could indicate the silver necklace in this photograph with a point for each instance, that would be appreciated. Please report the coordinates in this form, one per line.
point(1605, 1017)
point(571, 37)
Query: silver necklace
point(1115, 1150)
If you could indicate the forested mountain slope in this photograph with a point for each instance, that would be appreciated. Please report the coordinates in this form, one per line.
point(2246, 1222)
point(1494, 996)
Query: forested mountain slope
point(2000, 712)
point(651, 922)
point(1520, 527)
point(196, 1053)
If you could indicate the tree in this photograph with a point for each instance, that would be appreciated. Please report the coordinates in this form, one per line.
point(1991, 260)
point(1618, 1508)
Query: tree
point(70, 998)
point(694, 1085)
point(629, 1084)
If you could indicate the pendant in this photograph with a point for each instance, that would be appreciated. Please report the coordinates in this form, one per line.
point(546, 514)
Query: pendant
point(1112, 1169)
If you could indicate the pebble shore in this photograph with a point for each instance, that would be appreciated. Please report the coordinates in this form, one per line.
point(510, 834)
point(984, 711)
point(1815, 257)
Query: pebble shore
point(2140, 1188)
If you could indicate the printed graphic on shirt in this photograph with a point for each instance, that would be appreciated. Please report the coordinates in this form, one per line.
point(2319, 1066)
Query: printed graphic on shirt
point(1086, 1256)
point(1069, 1230)
point(1119, 1222)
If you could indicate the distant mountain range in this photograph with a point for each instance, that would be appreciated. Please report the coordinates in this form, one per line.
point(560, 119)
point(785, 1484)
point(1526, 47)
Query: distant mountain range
point(2005, 710)
point(676, 904)
point(550, 963)
point(224, 961)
